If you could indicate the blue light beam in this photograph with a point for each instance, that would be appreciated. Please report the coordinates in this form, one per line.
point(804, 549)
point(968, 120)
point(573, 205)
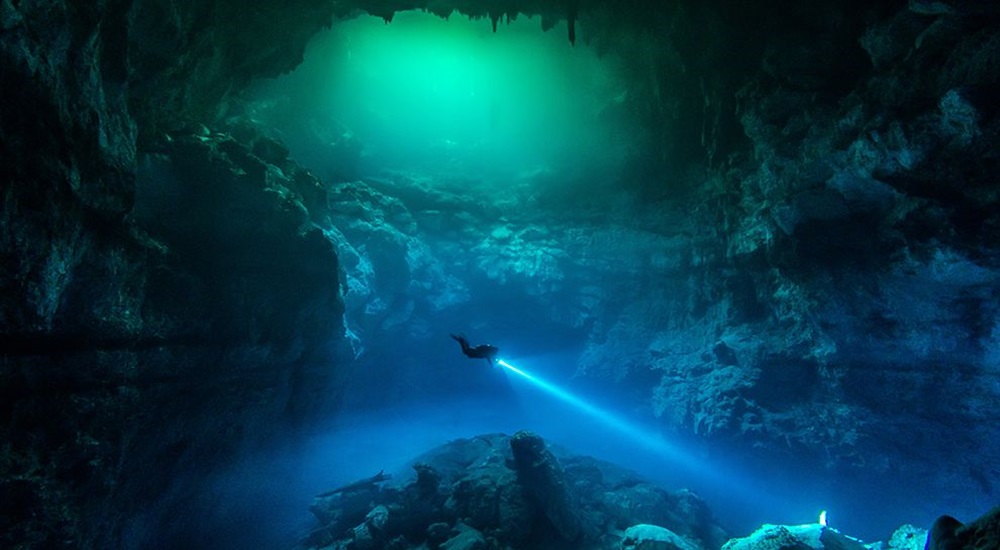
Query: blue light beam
point(650, 442)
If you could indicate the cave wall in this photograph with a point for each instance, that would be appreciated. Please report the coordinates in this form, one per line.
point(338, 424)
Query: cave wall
point(167, 304)
point(839, 297)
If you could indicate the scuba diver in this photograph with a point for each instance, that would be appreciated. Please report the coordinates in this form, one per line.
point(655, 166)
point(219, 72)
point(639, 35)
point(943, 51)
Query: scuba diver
point(482, 351)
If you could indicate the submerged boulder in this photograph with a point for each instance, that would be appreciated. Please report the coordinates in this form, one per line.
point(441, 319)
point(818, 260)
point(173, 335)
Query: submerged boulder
point(948, 533)
point(542, 476)
point(653, 537)
point(499, 491)
point(467, 538)
point(795, 537)
point(908, 537)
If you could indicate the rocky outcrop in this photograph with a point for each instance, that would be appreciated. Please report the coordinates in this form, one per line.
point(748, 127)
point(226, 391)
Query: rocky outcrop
point(949, 533)
point(858, 284)
point(480, 493)
point(183, 60)
point(137, 346)
point(200, 327)
point(908, 537)
point(795, 537)
point(544, 483)
point(946, 533)
point(652, 537)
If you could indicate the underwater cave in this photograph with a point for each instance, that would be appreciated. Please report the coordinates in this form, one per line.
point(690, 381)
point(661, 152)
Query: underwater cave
point(544, 274)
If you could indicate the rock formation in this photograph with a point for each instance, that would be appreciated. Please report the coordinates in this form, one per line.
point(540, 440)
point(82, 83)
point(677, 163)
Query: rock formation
point(496, 491)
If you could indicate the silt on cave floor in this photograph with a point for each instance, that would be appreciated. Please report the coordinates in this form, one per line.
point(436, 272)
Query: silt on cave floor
point(753, 245)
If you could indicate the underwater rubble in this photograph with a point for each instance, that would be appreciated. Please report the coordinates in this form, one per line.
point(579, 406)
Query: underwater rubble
point(496, 491)
point(500, 491)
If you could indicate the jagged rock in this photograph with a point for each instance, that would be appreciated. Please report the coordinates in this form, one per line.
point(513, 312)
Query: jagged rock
point(481, 492)
point(959, 119)
point(908, 537)
point(771, 537)
point(952, 7)
point(181, 61)
point(653, 537)
point(948, 533)
point(794, 537)
point(944, 534)
point(378, 517)
point(438, 533)
point(540, 474)
point(466, 539)
point(475, 498)
point(391, 271)
point(370, 534)
point(428, 479)
point(213, 275)
point(9, 16)
point(890, 40)
point(270, 151)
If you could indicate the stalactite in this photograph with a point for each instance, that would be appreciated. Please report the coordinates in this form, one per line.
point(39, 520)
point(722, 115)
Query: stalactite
point(571, 14)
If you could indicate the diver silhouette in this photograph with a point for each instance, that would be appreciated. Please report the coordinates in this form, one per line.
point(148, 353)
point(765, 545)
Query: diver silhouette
point(482, 351)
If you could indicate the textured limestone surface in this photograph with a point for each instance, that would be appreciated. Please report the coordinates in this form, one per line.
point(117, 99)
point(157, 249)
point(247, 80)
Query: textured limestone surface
point(143, 332)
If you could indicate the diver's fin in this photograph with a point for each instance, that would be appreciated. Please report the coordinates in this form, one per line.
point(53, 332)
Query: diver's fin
point(463, 342)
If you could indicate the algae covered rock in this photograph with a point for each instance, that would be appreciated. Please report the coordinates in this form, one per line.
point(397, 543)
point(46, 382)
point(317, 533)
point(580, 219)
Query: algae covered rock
point(653, 537)
point(908, 537)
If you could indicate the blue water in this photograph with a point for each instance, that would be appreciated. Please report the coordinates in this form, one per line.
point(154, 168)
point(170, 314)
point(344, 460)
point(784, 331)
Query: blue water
point(263, 501)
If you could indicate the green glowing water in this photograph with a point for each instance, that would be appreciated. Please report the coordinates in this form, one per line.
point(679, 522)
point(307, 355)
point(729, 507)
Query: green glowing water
point(451, 96)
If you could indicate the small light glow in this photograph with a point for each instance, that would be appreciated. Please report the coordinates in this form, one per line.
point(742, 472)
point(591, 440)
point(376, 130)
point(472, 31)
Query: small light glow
point(822, 518)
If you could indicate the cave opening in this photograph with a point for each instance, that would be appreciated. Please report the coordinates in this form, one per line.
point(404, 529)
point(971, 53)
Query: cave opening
point(457, 100)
